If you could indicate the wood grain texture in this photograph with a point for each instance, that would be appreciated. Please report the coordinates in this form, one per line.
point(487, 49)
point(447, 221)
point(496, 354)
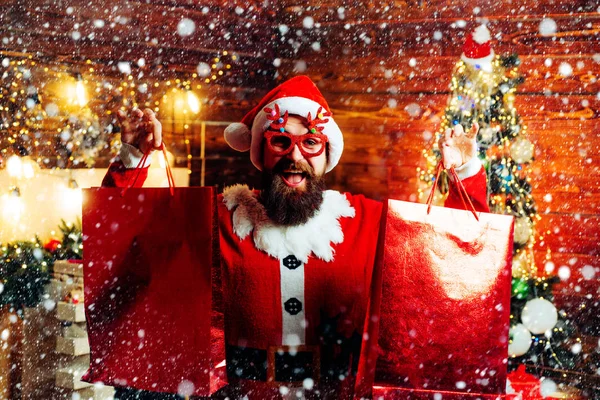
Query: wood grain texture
point(371, 60)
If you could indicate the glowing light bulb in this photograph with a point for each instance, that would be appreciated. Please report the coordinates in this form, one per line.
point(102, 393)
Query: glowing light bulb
point(28, 167)
point(14, 166)
point(193, 102)
point(80, 93)
point(12, 206)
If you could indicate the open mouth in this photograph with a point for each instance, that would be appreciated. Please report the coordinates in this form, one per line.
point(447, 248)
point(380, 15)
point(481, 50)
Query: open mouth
point(293, 178)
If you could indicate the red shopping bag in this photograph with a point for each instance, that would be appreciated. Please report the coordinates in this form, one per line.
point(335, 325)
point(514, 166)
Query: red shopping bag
point(147, 275)
point(440, 302)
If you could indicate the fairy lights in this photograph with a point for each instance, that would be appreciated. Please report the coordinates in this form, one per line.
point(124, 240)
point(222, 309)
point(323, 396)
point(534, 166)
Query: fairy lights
point(488, 98)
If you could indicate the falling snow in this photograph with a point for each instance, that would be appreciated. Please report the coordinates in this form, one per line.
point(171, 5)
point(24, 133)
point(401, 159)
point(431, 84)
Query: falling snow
point(547, 27)
point(186, 27)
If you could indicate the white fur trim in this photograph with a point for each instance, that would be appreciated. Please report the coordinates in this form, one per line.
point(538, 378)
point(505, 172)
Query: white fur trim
point(315, 237)
point(469, 169)
point(299, 106)
point(482, 34)
point(237, 136)
point(484, 63)
point(130, 156)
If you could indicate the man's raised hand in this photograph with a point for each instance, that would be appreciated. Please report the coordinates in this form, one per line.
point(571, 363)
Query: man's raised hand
point(458, 147)
point(140, 129)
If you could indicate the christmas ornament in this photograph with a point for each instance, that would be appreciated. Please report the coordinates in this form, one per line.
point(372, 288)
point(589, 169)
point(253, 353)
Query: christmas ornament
point(486, 136)
point(523, 230)
point(520, 288)
point(51, 245)
point(521, 266)
point(520, 340)
point(521, 151)
point(477, 50)
point(75, 296)
point(539, 315)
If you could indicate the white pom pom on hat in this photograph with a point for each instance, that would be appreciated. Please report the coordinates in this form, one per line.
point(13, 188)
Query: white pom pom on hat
point(298, 96)
point(238, 137)
point(481, 34)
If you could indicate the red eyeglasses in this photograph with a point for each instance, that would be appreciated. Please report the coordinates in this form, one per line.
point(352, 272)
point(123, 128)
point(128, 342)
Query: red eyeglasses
point(282, 143)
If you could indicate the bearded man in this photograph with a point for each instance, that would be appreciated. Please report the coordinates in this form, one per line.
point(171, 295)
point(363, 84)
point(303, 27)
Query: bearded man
point(296, 258)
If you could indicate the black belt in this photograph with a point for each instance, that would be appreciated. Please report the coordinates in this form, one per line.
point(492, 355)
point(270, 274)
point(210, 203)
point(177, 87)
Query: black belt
point(278, 363)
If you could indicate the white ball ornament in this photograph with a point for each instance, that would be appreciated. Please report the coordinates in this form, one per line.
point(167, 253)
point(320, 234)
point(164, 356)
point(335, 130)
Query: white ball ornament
point(521, 340)
point(523, 230)
point(539, 315)
point(486, 135)
point(521, 150)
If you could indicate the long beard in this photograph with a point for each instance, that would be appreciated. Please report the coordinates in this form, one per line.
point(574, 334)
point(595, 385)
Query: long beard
point(287, 205)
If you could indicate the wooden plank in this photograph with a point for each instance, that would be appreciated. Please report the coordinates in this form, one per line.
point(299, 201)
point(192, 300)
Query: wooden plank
point(39, 358)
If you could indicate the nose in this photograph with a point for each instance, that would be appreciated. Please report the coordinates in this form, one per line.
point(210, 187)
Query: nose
point(295, 155)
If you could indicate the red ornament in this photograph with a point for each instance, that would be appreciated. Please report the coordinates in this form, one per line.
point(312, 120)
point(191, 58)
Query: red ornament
point(51, 245)
point(526, 384)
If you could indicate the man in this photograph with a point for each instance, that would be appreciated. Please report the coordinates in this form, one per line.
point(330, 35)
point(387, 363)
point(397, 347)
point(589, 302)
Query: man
point(296, 258)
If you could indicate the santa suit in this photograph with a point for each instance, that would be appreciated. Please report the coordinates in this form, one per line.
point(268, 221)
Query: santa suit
point(295, 298)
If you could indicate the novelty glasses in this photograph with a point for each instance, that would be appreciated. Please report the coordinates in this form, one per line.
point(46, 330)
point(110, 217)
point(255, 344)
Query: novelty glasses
point(282, 143)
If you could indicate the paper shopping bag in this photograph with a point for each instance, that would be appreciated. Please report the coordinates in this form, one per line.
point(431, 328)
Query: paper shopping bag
point(439, 308)
point(147, 281)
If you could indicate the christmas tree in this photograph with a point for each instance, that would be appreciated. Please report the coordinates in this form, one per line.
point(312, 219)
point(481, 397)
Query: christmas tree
point(483, 90)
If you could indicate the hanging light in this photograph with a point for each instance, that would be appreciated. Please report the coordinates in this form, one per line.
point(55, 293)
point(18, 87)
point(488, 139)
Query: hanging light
point(12, 206)
point(80, 92)
point(14, 191)
point(73, 183)
point(193, 102)
point(21, 167)
point(14, 166)
point(28, 167)
point(71, 195)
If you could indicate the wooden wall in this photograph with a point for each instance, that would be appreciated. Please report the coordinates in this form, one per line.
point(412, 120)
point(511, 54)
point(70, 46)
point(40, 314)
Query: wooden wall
point(367, 54)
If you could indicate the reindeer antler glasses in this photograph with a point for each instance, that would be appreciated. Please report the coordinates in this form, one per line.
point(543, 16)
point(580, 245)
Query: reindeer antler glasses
point(281, 142)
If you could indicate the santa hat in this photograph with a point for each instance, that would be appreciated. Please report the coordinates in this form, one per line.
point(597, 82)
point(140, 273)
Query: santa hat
point(298, 96)
point(477, 50)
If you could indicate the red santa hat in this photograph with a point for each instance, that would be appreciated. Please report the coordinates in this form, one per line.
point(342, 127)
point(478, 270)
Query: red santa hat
point(477, 50)
point(298, 96)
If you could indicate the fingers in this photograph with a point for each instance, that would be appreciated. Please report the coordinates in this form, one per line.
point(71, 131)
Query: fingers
point(137, 113)
point(473, 131)
point(156, 126)
point(458, 131)
point(448, 134)
point(121, 116)
point(140, 128)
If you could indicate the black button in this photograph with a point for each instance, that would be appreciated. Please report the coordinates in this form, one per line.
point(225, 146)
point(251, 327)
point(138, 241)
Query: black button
point(291, 262)
point(293, 306)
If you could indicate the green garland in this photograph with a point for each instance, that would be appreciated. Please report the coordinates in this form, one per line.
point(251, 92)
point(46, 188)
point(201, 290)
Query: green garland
point(71, 247)
point(24, 271)
point(26, 266)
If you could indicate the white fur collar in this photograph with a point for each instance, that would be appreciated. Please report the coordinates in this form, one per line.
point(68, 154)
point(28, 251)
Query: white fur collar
point(315, 236)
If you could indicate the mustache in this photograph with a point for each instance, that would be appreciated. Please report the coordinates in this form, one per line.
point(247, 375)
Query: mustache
point(287, 164)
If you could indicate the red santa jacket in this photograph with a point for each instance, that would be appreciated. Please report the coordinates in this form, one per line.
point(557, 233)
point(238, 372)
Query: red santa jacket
point(294, 298)
point(303, 285)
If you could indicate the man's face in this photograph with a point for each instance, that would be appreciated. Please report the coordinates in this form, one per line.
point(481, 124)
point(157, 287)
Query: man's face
point(295, 178)
point(292, 185)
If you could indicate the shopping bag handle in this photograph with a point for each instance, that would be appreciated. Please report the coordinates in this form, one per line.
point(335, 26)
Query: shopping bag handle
point(461, 191)
point(170, 179)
